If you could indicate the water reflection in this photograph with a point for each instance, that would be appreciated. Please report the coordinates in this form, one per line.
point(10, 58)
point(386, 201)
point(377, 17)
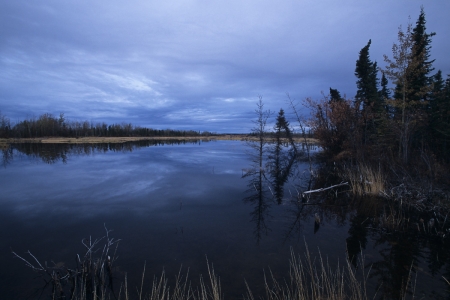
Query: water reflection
point(7, 156)
point(274, 165)
point(258, 188)
point(406, 248)
point(52, 153)
point(176, 204)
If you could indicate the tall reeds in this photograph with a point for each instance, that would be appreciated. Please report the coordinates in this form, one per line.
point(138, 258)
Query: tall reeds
point(314, 278)
point(366, 180)
point(310, 277)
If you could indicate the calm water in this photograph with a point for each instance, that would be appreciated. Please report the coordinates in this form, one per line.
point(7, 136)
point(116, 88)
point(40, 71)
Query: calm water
point(177, 204)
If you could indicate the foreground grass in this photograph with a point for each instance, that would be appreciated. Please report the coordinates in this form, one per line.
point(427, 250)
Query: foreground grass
point(94, 277)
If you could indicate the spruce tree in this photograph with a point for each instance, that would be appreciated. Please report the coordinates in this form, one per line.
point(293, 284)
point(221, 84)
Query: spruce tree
point(367, 93)
point(420, 79)
point(437, 95)
point(282, 125)
point(366, 72)
point(416, 86)
point(385, 93)
point(439, 124)
point(335, 96)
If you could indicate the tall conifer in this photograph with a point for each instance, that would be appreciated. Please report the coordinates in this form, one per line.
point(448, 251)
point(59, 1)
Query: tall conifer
point(366, 72)
point(420, 79)
point(385, 93)
point(335, 96)
point(367, 93)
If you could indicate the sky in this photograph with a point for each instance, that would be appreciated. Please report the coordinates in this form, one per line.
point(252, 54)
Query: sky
point(193, 65)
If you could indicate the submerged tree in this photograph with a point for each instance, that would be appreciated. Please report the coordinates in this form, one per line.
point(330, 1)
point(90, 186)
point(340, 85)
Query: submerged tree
point(260, 131)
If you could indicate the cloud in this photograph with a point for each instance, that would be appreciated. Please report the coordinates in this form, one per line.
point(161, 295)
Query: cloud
point(191, 63)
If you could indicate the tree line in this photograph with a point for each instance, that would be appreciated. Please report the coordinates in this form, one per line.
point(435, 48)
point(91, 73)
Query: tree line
point(410, 122)
point(48, 125)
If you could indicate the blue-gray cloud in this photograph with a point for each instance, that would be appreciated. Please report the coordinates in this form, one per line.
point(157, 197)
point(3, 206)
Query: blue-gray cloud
point(191, 64)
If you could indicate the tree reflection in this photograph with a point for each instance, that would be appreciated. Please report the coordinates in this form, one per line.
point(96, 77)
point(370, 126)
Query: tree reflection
point(406, 249)
point(257, 185)
point(277, 160)
point(282, 157)
point(357, 240)
point(7, 156)
point(395, 271)
point(52, 153)
point(259, 197)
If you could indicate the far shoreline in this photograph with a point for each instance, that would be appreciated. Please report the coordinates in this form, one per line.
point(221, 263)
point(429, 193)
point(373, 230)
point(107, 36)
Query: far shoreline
point(98, 140)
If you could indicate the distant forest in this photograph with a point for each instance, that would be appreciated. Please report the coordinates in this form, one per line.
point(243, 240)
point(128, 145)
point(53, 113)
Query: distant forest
point(47, 125)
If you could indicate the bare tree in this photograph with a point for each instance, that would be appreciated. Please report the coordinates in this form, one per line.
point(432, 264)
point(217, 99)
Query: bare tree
point(260, 129)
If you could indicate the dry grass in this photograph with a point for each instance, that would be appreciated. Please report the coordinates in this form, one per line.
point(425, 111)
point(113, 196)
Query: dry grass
point(365, 180)
point(313, 278)
point(309, 278)
point(93, 278)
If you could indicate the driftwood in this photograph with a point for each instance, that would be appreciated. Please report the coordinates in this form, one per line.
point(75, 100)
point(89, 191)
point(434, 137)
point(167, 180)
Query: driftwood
point(324, 189)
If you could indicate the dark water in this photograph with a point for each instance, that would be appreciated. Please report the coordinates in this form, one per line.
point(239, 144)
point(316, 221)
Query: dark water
point(178, 204)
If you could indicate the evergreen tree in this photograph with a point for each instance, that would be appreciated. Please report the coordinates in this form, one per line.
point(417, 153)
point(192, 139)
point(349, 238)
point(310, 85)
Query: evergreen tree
point(420, 79)
point(384, 93)
point(415, 87)
point(440, 116)
point(366, 72)
point(335, 95)
point(437, 95)
point(282, 125)
point(367, 93)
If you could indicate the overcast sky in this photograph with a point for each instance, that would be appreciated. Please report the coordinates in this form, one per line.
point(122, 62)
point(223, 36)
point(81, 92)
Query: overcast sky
point(196, 65)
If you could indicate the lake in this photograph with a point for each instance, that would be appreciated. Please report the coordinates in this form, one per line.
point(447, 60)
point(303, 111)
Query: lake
point(180, 204)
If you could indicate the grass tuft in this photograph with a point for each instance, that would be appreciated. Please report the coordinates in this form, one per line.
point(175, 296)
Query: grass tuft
point(314, 278)
point(365, 180)
point(309, 278)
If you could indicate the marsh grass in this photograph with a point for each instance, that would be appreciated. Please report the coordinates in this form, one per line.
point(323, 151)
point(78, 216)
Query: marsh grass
point(310, 277)
point(366, 180)
point(314, 278)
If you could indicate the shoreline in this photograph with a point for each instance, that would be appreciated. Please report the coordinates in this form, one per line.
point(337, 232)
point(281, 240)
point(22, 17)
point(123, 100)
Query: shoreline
point(97, 140)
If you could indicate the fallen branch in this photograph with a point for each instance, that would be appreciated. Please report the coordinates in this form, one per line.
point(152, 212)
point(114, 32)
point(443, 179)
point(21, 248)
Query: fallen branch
point(324, 189)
